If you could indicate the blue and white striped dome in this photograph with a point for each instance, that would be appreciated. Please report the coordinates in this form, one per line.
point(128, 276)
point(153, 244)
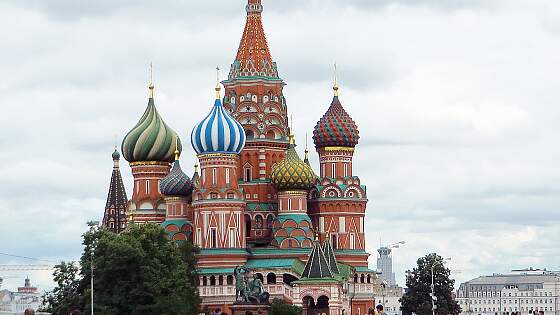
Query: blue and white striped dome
point(218, 133)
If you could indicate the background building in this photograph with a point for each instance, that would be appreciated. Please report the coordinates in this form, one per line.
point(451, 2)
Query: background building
point(522, 290)
point(15, 303)
point(385, 266)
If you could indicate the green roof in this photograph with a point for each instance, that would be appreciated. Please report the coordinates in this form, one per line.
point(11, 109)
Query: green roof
point(273, 251)
point(294, 264)
point(209, 271)
point(178, 222)
point(222, 251)
point(364, 269)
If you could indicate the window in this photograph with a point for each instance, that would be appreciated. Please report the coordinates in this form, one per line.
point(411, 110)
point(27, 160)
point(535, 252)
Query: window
point(232, 238)
point(289, 204)
point(323, 170)
point(334, 241)
point(203, 176)
point(230, 196)
point(214, 177)
point(227, 175)
point(333, 170)
point(269, 221)
point(345, 169)
point(247, 174)
point(137, 186)
point(353, 241)
point(199, 236)
point(342, 224)
point(258, 222)
point(213, 238)
point(147, 187)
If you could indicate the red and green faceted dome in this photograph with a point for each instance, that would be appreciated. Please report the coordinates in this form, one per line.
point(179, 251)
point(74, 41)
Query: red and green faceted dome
point(336, 128)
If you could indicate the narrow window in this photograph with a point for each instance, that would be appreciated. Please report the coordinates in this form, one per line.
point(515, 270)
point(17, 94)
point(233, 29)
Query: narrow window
point(214, 177)
point(232, 237)
point(147, 187)
point(248, 174)
point(137, 186)
point(199, 236)
point(213, 238)
point(352, 241)
point(333, 170)
point(345, 169)
point(227, 175)
point(323, 170)
point(289, 204)
point(334, 241)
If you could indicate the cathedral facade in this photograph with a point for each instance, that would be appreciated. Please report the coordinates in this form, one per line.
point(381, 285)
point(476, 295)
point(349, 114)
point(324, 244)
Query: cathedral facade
point(252, 201)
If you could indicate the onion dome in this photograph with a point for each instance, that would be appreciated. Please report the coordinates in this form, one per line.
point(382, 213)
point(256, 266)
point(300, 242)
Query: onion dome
point(336, 128)
point(176, 183)
point(116, 155)
point(218, 132)
point(151, 139)
point(292, 173)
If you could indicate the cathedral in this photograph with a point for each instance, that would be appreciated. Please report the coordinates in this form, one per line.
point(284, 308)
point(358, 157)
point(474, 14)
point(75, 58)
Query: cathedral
point(252, 201)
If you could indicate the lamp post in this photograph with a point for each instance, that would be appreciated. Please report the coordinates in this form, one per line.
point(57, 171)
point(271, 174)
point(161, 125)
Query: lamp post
point(92, 225)
point(434, 298)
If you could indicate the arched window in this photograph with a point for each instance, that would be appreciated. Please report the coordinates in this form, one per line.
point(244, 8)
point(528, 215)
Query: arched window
point(368, 278)
point(362, 278)
point(229, 280)
point(269, 221)
point(254, 98)
point(247, 225)
point(271, 278)
point(221, 280)
point(212, 280)
point(258, 221)
point(247, 173)
point(204, 281)
point(260, 276)
point(355, 278)
point(334, 241)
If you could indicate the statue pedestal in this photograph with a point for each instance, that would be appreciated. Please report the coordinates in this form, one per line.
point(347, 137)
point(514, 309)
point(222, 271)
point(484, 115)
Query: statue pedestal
point(250, 309)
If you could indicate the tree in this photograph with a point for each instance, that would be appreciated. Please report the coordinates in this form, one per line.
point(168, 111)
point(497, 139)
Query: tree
point(279, 307)
point(139, 271)
point(417, 298)
point(64, 297)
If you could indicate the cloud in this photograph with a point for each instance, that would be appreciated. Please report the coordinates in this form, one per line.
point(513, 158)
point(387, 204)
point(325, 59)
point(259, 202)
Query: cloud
point(456, 102)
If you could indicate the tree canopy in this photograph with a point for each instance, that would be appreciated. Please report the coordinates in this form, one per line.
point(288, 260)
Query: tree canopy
point(137, 272)
point(417, 298)
point(279, 307)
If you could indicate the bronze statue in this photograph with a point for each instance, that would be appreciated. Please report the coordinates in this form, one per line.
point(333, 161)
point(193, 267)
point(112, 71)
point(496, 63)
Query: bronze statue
point(249, 291)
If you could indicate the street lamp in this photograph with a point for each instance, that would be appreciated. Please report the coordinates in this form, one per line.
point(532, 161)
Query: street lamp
point(434, 298)
point(92, 225)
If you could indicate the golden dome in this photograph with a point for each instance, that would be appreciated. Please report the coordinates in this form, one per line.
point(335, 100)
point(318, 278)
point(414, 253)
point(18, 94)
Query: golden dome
point(293, 173)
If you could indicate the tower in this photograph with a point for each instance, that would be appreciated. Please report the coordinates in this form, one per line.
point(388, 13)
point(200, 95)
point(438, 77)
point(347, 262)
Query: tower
point(385, 265)
point(293, 178)
point(177, 188)
point(253, 95)
point(114, 218)
point(149, 148)
point(338, 201)
point(218, 202)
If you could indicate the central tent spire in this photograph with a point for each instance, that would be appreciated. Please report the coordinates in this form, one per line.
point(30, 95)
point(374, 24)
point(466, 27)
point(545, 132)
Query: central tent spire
point(253, 57)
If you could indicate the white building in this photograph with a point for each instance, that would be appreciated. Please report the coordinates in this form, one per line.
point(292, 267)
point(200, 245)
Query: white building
point(15, 303)
point(522, 291)
point(389, 297)
point(385, 266)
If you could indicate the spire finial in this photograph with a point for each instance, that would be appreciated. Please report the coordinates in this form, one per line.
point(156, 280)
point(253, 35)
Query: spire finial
point(177, 153)
point(292, 138)
point(217, 83)
point(151, 86)
point(306, 150)
point(335, 86)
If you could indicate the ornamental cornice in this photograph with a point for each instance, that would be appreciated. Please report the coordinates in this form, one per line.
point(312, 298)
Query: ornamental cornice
point(149, 163)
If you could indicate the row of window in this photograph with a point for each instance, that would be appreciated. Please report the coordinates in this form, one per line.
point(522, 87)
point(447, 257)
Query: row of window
point(253, 98)
point(526, 309)
point(520, 301)
point(333, 170)
point(485, 294)
point(219, 280)
point(212, 241)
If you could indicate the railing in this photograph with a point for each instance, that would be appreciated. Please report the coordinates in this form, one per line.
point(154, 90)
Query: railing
point(217, 290)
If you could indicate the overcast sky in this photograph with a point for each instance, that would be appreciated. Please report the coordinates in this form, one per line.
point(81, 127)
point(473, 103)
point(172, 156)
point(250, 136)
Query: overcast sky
point(456, 102)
